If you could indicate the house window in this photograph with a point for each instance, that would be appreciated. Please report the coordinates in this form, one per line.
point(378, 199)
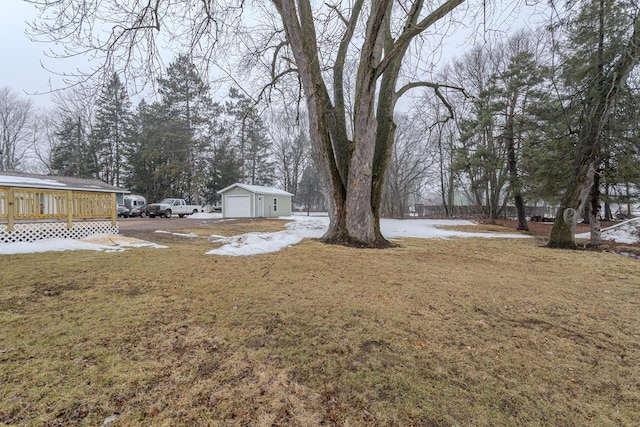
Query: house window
point(275, 205)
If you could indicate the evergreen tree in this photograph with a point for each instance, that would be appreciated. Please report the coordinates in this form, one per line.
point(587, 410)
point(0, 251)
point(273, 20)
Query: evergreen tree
point(621, 163)
point(604, 41)
point(481, 154)
point(253, 145)
point(515, 89)
point(309, 196)
point(158, 160)
point(224, 169)
point(188, 106)
point(507, 83)
point(72, 155)
point(113, 130)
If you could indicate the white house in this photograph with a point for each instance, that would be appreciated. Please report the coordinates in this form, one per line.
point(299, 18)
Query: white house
point(254, 201)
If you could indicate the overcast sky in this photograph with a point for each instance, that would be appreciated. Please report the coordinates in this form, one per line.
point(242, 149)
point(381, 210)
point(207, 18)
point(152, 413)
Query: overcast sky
point(21, 59)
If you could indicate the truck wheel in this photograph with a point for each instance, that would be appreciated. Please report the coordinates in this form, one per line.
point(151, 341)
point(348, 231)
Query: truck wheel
point(195, 211)
point(167, 213)
point(142, 214)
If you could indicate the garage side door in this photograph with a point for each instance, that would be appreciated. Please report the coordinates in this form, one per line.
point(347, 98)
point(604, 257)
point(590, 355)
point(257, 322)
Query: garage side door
point(238, 207)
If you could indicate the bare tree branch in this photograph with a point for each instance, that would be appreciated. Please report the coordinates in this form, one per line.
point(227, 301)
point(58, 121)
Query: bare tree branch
point(437, 89)
point(399, 47)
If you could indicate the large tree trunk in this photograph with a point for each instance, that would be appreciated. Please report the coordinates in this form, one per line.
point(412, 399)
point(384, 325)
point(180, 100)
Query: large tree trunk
point(572, 204)
point(514, 180)
point(364, 196)
point(354, 166)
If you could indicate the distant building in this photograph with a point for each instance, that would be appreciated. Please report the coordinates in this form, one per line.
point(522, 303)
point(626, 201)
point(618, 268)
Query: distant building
point(34, 207)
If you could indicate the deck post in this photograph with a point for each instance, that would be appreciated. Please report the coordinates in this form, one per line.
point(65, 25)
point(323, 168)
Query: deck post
point(69, 209)
point(114, 209)
point(11, 208)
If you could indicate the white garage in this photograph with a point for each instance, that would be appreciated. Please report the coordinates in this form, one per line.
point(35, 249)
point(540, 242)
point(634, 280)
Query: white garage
point(254, 201)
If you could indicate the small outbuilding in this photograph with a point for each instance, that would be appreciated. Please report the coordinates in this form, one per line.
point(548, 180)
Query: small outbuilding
point(34, 207)
point(254, 201)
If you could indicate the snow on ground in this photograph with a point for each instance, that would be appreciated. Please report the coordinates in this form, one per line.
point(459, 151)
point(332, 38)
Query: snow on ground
point(627, 232)
point(299, 228)
point(99, 242)
point(260, 243)
point(205, 215)
point(303, 227)
point(430, 229)
point(176, 234)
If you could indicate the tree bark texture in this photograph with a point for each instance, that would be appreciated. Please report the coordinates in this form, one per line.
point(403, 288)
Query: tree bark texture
point(514, 179)
point(354, 164)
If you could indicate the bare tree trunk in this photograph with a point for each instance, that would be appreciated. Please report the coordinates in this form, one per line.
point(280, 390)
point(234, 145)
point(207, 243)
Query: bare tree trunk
point(513, 173)
point(607, 194)
point(451, 195)
point(586, 215)
point(628, 198)
point(443, 193)
point(594, 213)
point(354, 168)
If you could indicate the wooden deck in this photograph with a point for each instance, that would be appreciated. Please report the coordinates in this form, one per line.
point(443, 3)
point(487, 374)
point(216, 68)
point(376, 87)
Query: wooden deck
point(40, 205)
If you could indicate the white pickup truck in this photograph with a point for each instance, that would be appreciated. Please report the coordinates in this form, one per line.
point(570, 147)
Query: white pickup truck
point(168, 207)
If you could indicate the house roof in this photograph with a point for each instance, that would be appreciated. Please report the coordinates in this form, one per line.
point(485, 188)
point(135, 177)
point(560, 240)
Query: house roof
point(258, 189)
point(28, 180)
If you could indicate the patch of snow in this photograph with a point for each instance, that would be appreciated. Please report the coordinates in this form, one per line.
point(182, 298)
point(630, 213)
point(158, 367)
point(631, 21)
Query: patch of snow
point(110, 419)
point(102, 242)
point(430, 229)
point(26, 180)
point(205, 215)
point(303, 227)
point(176, 234)
point(260, 243)
point(627, 232)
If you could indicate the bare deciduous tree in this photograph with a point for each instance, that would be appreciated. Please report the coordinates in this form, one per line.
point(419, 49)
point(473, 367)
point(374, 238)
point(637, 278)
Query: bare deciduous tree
point(14, 130)
point(290, 148)
point(45, 126)
point(318, 41)
point(410, 164)
point(355, 164)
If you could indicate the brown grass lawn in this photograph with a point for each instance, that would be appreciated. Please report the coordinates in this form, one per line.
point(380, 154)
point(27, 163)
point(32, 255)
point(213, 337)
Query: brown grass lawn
point(468, 332)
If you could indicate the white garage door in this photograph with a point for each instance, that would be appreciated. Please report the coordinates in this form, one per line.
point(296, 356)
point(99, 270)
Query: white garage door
point(238, 207)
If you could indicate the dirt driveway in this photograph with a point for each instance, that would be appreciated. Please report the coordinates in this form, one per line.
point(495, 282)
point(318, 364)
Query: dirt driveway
point(132, 225)
point(145, 228)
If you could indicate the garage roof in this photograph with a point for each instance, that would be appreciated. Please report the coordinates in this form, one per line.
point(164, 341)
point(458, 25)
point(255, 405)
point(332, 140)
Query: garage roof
point(28, 180)
point(258, 189)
